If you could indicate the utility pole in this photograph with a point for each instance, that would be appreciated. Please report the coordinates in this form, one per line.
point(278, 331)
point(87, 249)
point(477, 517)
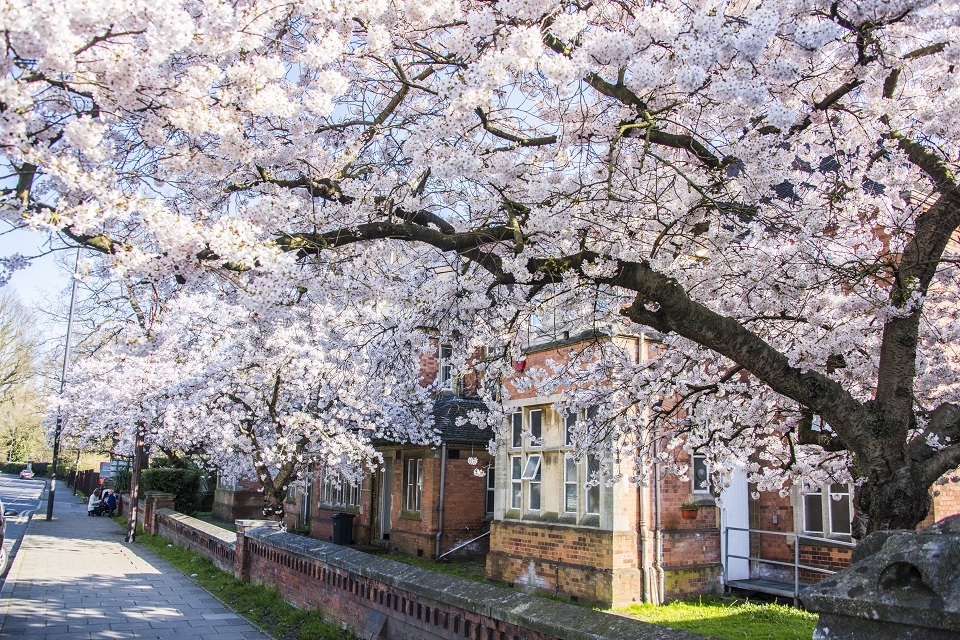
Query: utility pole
point(63, 378)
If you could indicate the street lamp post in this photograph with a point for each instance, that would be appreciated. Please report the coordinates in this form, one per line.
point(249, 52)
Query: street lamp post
point(63, 379)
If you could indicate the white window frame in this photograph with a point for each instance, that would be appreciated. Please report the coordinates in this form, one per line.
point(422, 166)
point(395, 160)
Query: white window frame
point(593, 493)
point(445, 370)
point(516, 484)
point(413, 493)
point(568, 424)
point(830, 503)
point(532, 467)
point(516, 430)
point(571, 482)
point(535, 440)
point(491, 489)
point(807, 492)
point(533, 475)
point(338, 492)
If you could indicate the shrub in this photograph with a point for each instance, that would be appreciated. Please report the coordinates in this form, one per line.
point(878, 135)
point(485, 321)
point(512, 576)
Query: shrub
point(183, 483)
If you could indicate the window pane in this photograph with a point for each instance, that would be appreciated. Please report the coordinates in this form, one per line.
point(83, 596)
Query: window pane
point(532, 470)
point(515, 488)
point(568, 429)
point(701, 479)
point(419, 481)
point(593, 493)
point(516, 431)
point(840, 510)
point(570, 485)
point(491, 484)
point(515, 467)
point(534, 496)
point(813, 513)
point(536, 424)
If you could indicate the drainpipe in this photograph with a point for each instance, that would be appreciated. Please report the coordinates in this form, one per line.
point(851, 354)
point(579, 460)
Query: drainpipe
point(443, 477)
point(659, 580)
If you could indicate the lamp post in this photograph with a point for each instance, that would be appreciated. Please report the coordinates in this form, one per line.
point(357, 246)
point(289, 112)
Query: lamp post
point(63, 379)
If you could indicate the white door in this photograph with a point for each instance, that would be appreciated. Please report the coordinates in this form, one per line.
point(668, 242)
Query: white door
point(735, 516)
point(386, 504)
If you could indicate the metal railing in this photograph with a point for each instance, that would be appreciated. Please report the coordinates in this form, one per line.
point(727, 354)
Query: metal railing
point(798, 539)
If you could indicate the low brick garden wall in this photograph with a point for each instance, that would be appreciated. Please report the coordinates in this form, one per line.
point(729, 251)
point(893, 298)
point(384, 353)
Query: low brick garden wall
point(380, 598)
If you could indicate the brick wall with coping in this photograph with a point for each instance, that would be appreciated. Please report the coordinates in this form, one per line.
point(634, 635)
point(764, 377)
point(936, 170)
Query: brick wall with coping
point(219, 545)
point(380, 598)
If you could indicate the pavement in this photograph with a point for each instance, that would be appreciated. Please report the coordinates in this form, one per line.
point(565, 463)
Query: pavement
point(75, 577)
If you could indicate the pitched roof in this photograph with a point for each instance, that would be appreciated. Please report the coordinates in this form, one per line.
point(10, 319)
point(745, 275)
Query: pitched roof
point(447, 410)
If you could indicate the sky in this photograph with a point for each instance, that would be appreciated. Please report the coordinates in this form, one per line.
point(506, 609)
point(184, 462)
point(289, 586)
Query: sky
point(42, 285)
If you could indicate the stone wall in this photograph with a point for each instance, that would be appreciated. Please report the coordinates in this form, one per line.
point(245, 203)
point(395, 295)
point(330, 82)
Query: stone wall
point(380, 598)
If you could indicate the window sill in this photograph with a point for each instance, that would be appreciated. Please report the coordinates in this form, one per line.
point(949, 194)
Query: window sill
point(705, 499)
point(411, 515)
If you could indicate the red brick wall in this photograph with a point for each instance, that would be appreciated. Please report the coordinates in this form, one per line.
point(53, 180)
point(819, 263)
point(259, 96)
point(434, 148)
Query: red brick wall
point(219, 545)
point(311, 583)
point(381, 598)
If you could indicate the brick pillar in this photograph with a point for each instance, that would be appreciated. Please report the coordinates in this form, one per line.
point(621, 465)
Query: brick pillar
point(241, 558)
point(155, 500)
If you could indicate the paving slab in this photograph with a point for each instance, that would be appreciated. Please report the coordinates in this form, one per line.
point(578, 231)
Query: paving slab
point(75, 578)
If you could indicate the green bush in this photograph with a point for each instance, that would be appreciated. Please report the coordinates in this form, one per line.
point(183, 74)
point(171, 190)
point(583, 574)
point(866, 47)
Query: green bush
point(183, 483)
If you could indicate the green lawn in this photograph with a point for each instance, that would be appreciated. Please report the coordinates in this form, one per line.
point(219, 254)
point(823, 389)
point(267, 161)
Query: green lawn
point(729, 619)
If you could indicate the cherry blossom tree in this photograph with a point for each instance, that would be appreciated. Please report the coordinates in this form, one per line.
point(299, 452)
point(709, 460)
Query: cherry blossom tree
point(256, 393)
point(769, 185)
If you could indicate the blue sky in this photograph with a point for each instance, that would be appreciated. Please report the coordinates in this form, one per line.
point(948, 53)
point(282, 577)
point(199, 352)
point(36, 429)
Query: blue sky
point(46, 280)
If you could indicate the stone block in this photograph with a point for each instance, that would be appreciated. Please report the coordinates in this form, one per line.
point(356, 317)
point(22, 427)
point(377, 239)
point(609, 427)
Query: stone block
point(903, 584)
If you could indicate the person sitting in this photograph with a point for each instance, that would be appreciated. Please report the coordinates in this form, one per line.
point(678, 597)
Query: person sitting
point(94, 502)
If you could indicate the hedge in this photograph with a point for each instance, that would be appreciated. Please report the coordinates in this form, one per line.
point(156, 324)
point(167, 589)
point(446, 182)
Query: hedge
point(183, 483)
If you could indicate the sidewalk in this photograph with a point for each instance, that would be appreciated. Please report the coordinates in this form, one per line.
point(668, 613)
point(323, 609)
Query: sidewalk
point(75, 577)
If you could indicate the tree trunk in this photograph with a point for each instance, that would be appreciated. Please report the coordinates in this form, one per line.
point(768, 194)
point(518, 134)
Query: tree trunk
point(898, 500)
point(273, 503)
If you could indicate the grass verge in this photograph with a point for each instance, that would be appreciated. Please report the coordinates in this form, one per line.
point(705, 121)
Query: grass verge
point(262, 605)
point(729, 619)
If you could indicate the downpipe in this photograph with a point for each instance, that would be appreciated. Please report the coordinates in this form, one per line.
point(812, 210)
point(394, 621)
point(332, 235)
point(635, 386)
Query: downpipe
point(443, 478)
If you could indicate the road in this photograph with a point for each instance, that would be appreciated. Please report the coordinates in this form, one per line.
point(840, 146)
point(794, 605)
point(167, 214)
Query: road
point(23, 496)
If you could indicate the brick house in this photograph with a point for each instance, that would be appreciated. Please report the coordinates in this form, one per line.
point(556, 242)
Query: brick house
point(608, 544)
point(425, 500)
point(820, 520)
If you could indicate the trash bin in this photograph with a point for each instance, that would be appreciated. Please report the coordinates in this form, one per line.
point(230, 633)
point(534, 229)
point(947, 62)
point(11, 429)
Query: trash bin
point(343, 528)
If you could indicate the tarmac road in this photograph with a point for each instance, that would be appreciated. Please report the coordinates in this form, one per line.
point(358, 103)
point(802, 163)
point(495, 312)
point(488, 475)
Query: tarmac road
point(23, 496)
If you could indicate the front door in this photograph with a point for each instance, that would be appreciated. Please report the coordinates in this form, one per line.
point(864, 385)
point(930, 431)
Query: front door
point(386, 501)
point(735, 518)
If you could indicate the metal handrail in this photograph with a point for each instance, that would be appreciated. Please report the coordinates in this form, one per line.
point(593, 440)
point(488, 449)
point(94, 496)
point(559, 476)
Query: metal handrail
point(798, 539)
point(461, 546)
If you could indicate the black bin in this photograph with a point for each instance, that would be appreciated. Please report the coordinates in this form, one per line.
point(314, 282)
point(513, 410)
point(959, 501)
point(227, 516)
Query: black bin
point(343, 528)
